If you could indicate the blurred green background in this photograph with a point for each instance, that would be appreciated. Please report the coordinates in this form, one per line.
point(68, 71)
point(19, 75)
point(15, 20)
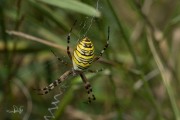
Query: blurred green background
point(139, 81)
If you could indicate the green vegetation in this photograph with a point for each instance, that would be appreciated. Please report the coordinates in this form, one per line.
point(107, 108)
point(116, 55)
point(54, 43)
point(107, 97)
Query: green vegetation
point(139, 81)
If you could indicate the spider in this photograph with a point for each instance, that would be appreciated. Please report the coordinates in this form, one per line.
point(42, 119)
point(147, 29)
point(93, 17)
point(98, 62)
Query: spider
point(82, 58)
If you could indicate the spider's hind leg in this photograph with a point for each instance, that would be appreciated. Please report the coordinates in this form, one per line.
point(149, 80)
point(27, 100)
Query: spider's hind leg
point(105, 47)
point(61, 60)
point(68, 41)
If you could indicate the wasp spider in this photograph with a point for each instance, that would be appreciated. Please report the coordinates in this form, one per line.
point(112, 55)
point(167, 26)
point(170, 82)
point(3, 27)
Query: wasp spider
point(82, 58)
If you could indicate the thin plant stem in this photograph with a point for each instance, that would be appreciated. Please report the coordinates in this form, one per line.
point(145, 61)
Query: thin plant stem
point(124, 34)
point(30, 37)
point(131, 50)
point(165, 74)
point(163, 68)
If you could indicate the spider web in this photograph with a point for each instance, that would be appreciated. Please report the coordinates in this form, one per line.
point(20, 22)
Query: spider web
point(86, 24)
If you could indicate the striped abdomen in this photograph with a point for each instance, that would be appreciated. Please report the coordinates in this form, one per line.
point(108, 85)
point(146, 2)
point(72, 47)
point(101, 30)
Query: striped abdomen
point(83, 54)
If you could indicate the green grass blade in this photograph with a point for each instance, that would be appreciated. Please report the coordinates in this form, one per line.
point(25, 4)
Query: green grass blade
point(74, 5)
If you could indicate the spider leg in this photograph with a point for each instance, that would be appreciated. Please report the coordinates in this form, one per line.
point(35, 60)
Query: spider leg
point(45, 90)
point(105, 47)
point(68, 41)
point(95, 71)
point(88, 88)
point(61, 60)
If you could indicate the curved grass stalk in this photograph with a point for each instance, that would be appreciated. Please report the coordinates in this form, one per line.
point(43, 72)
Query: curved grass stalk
point(132, 52)
point(165, 74)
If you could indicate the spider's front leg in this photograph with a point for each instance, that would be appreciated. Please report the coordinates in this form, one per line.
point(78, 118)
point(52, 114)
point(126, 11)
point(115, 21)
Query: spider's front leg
point(95, 71)
point(88, 88)
point(47, 89)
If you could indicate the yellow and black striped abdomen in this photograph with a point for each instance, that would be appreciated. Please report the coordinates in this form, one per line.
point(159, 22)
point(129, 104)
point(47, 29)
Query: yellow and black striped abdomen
point(83, 54)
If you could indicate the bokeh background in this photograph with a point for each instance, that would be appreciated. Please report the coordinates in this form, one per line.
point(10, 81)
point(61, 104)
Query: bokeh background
point(139, 81)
